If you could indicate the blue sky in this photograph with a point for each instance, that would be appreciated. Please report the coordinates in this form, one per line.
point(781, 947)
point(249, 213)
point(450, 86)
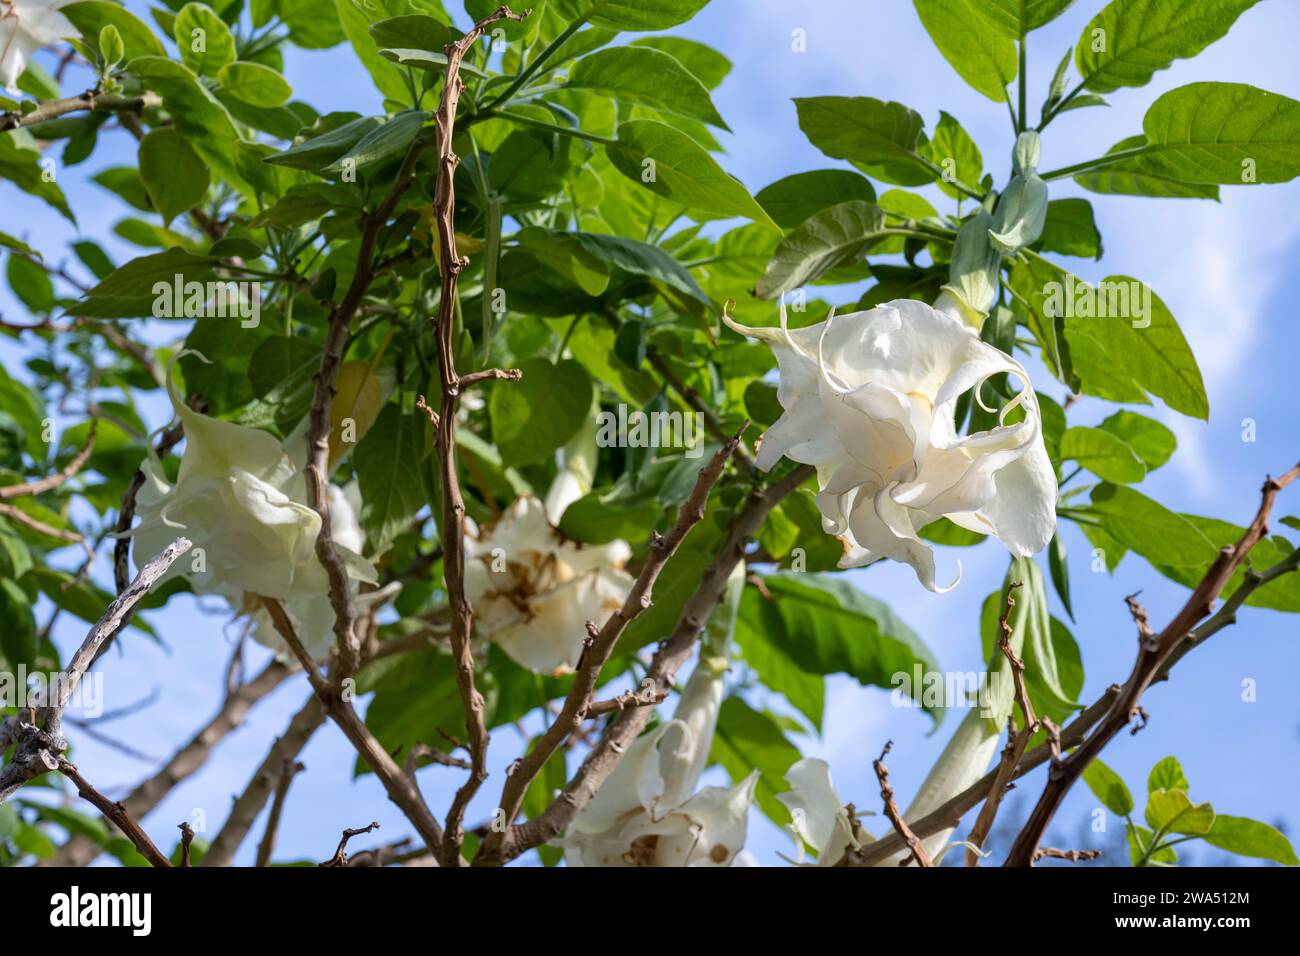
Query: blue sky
point(1223, 269)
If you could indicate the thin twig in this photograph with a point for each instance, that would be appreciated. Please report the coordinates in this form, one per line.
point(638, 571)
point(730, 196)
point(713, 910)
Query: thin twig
point(266, 848)
point(59, 477)
point(340, 857)
point(117, 813)
point(895, 816)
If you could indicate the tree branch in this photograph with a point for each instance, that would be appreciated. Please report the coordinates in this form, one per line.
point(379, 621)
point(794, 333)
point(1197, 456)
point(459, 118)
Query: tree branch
point(895, 816)
point(89, 100)
point(1154, 653)
point(452, 525)
point(600, 645)
point(668, 659)
point(59, 477)
point(117, 813)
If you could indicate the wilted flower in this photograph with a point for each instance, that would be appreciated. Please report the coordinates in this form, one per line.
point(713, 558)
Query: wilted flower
point(25, 27)
point(870, 399)
point(533, 590)
point(648, 813)
point(239, 497)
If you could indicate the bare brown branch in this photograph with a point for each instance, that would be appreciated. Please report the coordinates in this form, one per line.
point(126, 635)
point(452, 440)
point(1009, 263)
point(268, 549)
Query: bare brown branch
point(894, 815)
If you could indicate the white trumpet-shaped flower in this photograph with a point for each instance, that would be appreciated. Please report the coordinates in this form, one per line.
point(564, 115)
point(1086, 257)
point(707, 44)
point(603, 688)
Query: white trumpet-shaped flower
point(648, 813)
point(870, 400)
point(239, 496)
point(25, 27)
point(819, 818)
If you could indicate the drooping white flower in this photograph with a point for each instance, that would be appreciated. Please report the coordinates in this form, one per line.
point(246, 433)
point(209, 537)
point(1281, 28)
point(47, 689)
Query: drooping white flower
point(25, 27)
point(239, 496)
point(870, 399)
point(819, 817)
point(313, 617)
point(648, 812)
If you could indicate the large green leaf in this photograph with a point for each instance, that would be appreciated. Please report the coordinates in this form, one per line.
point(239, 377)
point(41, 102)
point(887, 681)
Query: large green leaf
point(1070, 229)
point(1129, 40)
point(1107, 456)
point(791, 200)
point(1149, 528)
point(881, 138)
point(640, 258)
point(1247, 837)
point(953, 151)
point(387, 461)
point(128, 292)
point(172, 172)
point(629, 14)
point(668, 162)
point(747, 740)
point(831, 238)
point(1141, 176)
point(1153, 442)
point(825, 625)
point(536, 415)
point(1150, 347)
point(91, 16)
point(196, 114)
point(254, 84)
point(982, 54)
point(1013, 18)
point(204, 40)
point(779, 672)
point(646, 77)
point(1228, 133)
point(705, 63)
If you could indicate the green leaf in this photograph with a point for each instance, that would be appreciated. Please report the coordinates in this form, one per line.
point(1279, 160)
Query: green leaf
point(111, 47)
point(1141, 176)
point(1108, 457)
point(1153, 442)
point(204, 40)
point(705, 63)
point(1059, 567)
point(1107, 786)
point(982, 55)
point(645, 77)
point(629, 14)
point(953, 151)
point(428, 61)
point(196, 114)
point(778, 671)
point(412, 30)
point(319, 151)
point(1247, 837)
point(312, 25)
point(1014, 18)
point(639, 258)
point(1167, 774)
point(173, 174)
point(1129, 40)
point(254, 84)
point(536, 415)
point(795, 198)
point(91, 16)
point(356, 17)
point(563, 253)
point(1149, 528)
point(1141, 340)
point(22, 164)
point(128, 292)
point(1282, 594)
point(382, 145)
point(1171, 811)
point(825, 625)
point(27, 410)
point(670, 163)
point(881, 138)
point(1070, 229)
point(945, 532)
point(18, 636)
point(387, 463)
point(831, 238)
point(747, 740)
point(30, 283)
point(1227, 133)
